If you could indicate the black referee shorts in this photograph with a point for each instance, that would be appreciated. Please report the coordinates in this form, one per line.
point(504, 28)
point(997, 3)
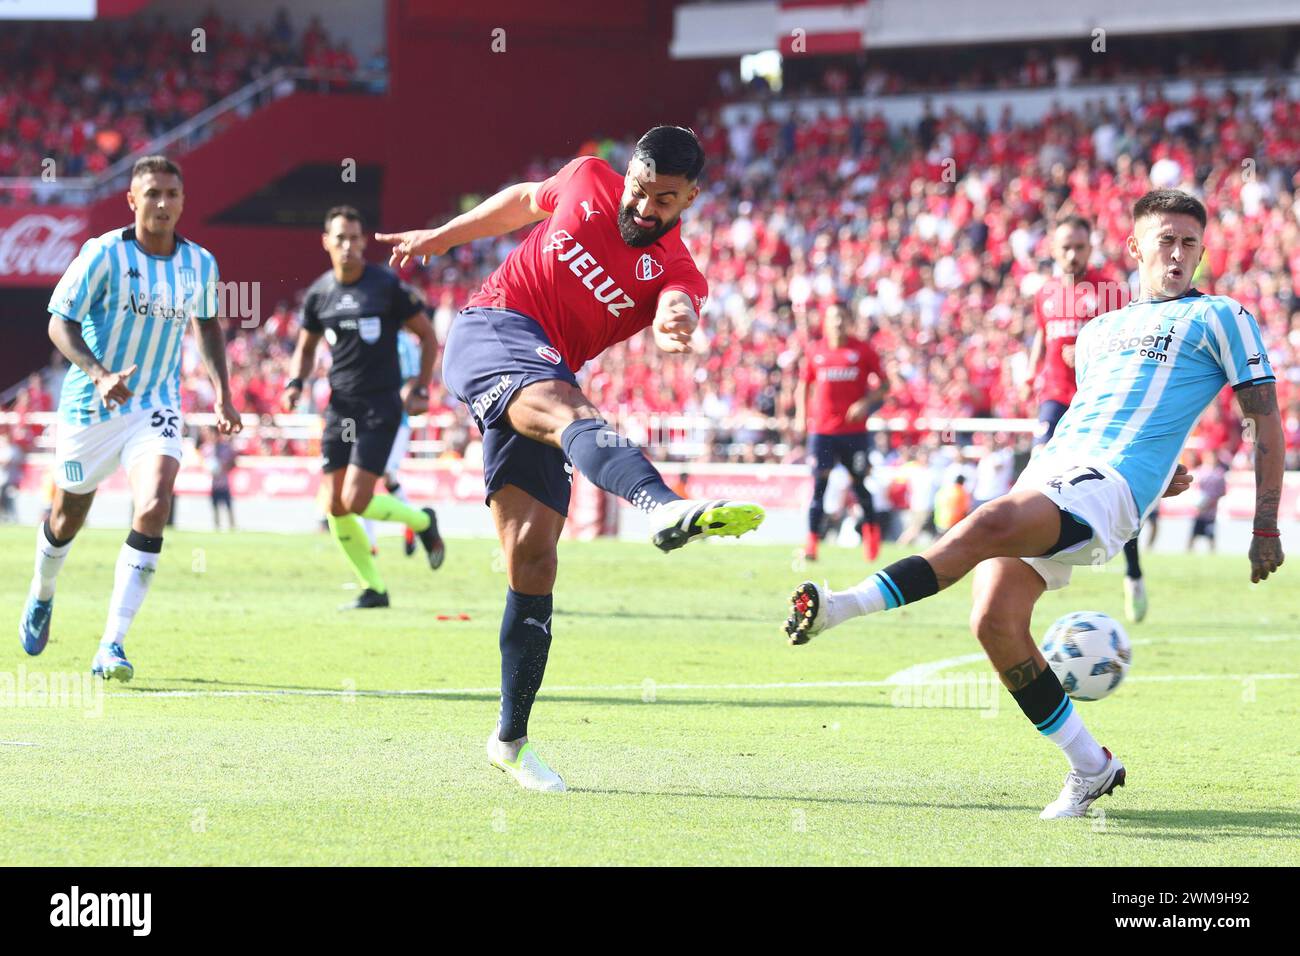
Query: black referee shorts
point(360, 430)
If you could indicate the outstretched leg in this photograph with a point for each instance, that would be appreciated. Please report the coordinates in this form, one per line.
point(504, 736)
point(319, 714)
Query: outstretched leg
point(558, 414)
point(421, 523)
point(1022, 524)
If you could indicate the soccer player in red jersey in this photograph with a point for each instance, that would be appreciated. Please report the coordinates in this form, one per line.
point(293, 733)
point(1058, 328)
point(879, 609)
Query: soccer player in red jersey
point(1062, 307)
point(831, 403)
point(607, 263)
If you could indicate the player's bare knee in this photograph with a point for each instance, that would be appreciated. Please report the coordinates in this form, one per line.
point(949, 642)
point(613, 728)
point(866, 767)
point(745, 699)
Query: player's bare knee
point(356, 500)
point(991, 626)
point(152, 513)
point(533, 570)
point(64, 524)
point(992, 525)
point(68, 513)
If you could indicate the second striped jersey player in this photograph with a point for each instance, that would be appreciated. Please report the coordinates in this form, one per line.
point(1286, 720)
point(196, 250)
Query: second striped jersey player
point(119, 315)
point(1146, 372)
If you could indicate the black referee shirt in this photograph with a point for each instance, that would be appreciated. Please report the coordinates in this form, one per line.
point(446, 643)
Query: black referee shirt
point(360, 322)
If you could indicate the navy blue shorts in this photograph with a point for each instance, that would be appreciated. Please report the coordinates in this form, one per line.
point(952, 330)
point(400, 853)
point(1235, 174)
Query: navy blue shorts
point(1049, 413)
point(360, 430)
point(490, 354)
point(848, 450)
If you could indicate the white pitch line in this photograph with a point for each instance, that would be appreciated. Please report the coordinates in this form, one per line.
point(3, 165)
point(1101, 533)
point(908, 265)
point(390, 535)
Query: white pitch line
point(17, 743)
point(1263, 638)
point(616, 688)
point(920, 673)
point(1155, 678)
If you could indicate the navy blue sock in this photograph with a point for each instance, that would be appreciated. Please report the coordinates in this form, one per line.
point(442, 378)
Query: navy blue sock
point(816, 510)
point(525, 643)
point(612, 462)
point(1132, 568)
point(864, 500)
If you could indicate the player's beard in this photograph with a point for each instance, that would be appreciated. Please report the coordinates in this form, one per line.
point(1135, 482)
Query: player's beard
point(634, 235)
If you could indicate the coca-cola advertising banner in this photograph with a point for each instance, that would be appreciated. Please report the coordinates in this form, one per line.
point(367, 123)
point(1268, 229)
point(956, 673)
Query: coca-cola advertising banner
point(38, 243)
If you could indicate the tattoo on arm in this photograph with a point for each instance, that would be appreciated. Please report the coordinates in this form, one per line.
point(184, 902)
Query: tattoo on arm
point(1021, 675)
point(1266, 505)
point(1259, 403)
point(1258, 399)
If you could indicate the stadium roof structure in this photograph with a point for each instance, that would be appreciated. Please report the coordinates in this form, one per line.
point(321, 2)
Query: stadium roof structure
point(735, 29)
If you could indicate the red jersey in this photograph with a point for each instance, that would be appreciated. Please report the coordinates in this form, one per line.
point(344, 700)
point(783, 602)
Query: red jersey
point(838, 378)
point(1061, 309)
point(576, 277)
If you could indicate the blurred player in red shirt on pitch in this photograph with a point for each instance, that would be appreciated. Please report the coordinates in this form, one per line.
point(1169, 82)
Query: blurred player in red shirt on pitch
point(1063, 306)
point(831, 403)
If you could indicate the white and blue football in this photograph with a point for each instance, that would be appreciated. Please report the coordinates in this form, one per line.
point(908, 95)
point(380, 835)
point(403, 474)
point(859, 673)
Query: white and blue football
point(1089, 652)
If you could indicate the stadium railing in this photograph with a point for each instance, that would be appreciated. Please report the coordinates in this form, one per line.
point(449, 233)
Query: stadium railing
point(671, 436)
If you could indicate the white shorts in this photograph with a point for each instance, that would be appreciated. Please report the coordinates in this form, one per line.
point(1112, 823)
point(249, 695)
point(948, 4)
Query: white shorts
point(84, 455)
point(1089, 490)
point(398, 452)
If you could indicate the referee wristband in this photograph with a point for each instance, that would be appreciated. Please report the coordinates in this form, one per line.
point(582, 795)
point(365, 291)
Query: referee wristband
point(293, 383)
point(1259, 533)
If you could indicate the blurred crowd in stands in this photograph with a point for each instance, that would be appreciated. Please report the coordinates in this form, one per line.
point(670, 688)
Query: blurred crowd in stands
point(87, 94)
point(1105, 58)
point(934, 234)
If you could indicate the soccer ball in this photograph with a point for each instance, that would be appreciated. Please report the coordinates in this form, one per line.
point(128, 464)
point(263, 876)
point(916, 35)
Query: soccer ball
point(1089, 653)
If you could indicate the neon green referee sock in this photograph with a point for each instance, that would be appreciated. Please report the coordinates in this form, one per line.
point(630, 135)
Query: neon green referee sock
point(388, 508)
point(351, 536)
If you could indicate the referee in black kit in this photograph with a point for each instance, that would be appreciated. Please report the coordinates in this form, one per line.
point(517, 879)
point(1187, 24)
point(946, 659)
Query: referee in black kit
point(359, 308)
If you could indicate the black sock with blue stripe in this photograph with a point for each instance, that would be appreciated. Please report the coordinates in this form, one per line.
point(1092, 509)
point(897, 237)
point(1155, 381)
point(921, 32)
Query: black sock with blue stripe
point(525, 645)
point(903, 582)
point(1044, 702)
point(614, 463)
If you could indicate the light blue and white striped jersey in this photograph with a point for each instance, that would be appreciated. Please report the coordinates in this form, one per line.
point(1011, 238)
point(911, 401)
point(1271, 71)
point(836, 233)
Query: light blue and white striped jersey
point(133, 309)
point(408, 358)
point(408, 354)
point(1145, 373)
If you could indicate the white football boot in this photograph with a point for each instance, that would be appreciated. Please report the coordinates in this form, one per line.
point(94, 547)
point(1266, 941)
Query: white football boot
point(815, 608)
point(528, 769)
point(1080, 791)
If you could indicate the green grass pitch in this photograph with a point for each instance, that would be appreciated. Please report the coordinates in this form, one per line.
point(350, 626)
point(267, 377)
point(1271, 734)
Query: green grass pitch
point(264, 727)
